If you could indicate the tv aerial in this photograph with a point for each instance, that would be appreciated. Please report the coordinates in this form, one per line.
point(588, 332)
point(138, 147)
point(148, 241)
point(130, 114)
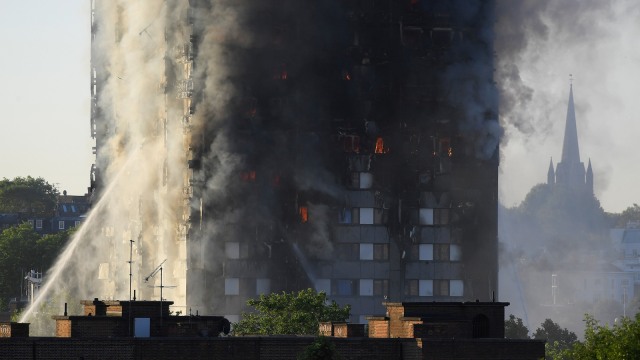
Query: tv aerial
point(162, 286)
point(155, 271)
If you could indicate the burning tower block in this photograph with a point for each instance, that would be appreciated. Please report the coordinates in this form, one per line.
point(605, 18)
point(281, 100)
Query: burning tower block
point(347, 146)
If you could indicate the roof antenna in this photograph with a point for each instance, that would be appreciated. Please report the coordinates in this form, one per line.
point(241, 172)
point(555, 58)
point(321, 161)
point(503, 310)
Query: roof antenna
point(570, 80)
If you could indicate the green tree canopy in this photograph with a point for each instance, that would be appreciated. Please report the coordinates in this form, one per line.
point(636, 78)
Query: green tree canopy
point(515, 329)
point(27, 195)
point(23, 249)
point(630, 214)
point(295, 313)
point(558, 339)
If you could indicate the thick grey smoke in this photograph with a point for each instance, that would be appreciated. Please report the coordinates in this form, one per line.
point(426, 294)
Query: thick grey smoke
point(538, 44)
point(203, 138)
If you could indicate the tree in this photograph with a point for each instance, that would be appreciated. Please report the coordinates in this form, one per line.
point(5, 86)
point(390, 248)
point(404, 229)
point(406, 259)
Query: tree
point(558, 339)
point(515, 329)
point(27, 195)
point(17, 248)
point(630, 214)
point(23, 249)
point(603, 342)
point(320, 349)
point(290, 314)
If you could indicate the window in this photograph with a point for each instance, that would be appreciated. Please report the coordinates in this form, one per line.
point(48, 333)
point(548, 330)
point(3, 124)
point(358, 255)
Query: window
point(433, 216)
point(380, 251)
point(263, 286)
point(39, 224)
point(366, 216)
point(425, 252)
point(232, 286)
point(323, 285)
point(366, 251)
point(425, 287)
point(343, 287)
point(344, 216)
point(366, 287)
point(232, 250)
point(411, 287)
point(60, 225)
point(380, 287)
point(361, 180)
point(348, 251)
point(441, 216)
point(64, 208)
point(441, 252)
point(455, 253)
point(426, 216)
point(441, 287)
point(456, 288)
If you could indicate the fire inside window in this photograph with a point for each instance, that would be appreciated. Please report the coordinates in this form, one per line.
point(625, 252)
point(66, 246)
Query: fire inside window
point(248, 175)
point(281, 74)
point(380, 149)
point(346, 75)
point(445, 147)
point(304, 214)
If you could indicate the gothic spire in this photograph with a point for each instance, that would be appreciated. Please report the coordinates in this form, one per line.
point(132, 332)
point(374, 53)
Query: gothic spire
point(570, 151)
point(551, 175)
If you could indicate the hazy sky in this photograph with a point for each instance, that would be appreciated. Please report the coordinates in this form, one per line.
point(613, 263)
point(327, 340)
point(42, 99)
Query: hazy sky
point(44, 96)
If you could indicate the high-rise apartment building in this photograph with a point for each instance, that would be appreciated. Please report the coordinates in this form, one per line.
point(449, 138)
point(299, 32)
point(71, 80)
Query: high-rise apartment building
point(266, 146)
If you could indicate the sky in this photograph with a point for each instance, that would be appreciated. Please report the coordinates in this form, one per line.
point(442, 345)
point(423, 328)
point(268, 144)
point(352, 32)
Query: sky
point(44, 95)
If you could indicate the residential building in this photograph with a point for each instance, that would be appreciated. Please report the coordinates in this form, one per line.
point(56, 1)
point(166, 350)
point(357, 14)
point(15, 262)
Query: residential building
point(347, 146)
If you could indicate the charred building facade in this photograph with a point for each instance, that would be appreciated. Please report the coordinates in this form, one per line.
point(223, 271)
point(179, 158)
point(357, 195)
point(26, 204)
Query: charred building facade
point(349, 146)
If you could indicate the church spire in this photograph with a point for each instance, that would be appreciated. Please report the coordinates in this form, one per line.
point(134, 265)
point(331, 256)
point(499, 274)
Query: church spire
point(570, 151)
point(551, 174)
point(589, 178)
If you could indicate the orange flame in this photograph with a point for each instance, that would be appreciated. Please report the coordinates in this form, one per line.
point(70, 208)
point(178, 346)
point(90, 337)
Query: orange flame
point(304, 214)
point(380, 146)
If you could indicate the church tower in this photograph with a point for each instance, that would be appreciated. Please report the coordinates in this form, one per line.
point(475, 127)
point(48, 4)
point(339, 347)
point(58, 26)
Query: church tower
point(570, 171)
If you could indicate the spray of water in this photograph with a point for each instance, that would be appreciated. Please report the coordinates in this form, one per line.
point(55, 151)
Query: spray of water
point(78, 239)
